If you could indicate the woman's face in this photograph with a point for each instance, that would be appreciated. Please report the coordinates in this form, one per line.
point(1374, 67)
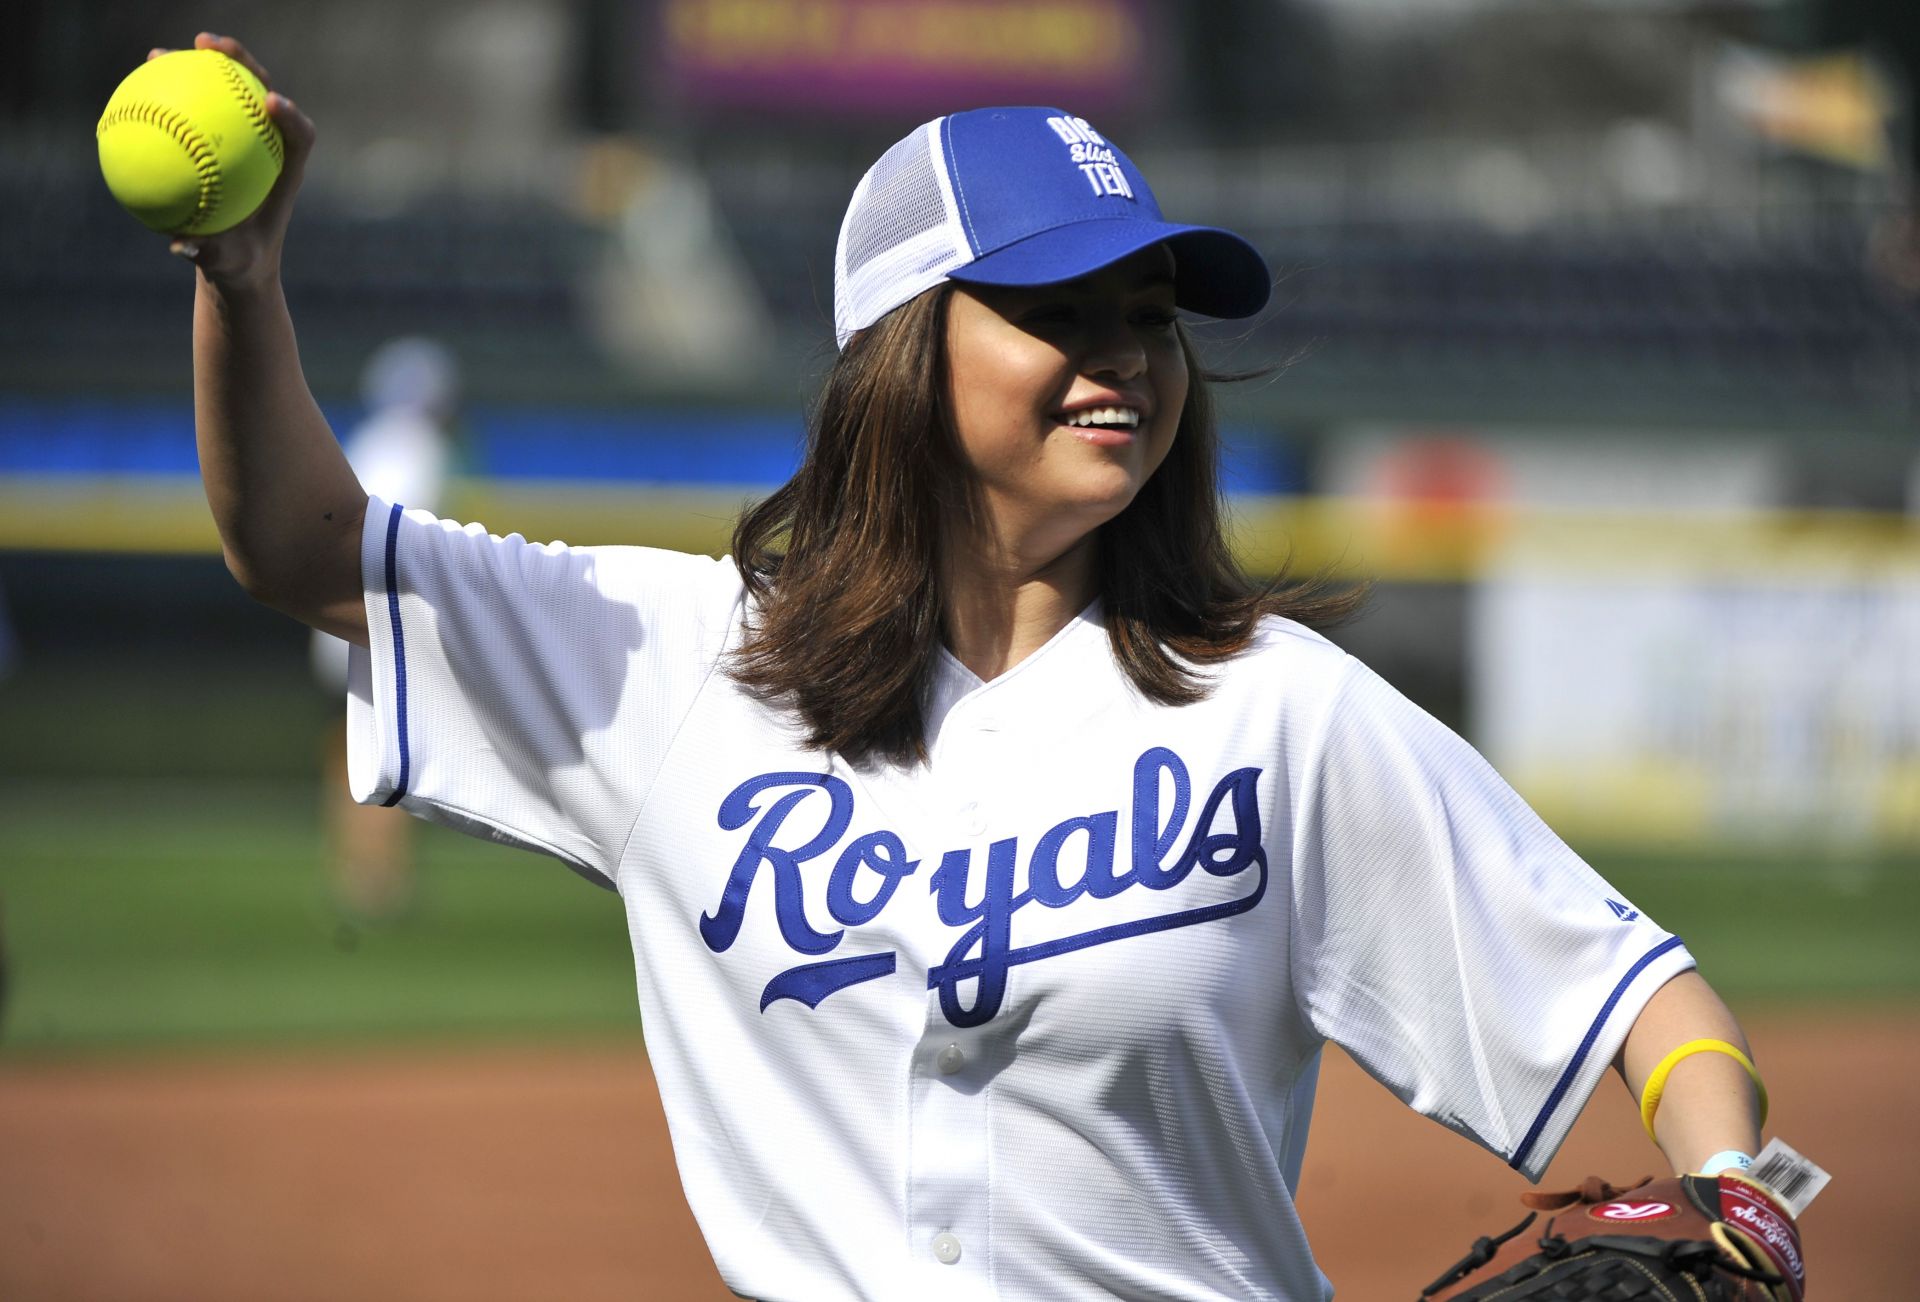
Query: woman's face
point(1066, 397)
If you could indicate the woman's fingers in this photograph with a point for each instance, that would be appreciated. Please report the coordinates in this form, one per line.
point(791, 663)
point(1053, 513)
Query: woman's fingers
point(227, 46)
point(232, 49)
point(295, 126)
point(296, 130)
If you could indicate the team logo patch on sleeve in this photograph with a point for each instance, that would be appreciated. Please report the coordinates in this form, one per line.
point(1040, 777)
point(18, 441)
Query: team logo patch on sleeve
point(1628, 1211)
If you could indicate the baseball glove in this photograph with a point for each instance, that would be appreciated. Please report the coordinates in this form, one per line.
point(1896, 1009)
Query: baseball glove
point(1694, 1238)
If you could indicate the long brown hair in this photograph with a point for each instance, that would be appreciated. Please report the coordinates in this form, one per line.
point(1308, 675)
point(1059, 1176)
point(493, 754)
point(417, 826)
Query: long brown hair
point(844, 559)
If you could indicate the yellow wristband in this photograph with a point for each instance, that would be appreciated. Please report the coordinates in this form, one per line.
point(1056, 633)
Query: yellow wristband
point(1657, 1082)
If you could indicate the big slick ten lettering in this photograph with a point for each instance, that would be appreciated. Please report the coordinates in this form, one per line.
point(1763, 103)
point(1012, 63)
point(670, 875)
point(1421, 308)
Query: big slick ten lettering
point(1093, 156)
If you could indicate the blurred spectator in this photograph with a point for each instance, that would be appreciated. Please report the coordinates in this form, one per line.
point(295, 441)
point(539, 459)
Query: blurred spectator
point(9, 652)
point(9, 644)
point(1890, 31)
point(403, 452)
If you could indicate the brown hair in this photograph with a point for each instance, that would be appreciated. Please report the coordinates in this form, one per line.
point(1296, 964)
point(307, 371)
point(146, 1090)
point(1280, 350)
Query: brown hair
point(844, 559)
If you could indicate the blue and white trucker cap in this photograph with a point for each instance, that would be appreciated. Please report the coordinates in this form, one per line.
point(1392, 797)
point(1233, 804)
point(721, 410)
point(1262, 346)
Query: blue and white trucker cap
point(1019, 196)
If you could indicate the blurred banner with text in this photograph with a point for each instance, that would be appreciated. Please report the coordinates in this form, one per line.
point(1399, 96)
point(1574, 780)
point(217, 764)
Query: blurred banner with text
point(1750, 681)
point(884, 57)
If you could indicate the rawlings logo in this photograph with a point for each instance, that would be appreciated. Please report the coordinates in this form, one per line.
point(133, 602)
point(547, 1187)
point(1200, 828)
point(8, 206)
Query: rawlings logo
point(1632, 1211)
point(1772, 1233)
point(867, 872)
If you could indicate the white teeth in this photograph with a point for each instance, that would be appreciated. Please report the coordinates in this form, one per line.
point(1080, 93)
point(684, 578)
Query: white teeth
point(1122, 417)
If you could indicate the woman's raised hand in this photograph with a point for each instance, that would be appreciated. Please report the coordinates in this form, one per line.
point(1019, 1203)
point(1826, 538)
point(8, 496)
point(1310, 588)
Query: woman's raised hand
point(249, 253)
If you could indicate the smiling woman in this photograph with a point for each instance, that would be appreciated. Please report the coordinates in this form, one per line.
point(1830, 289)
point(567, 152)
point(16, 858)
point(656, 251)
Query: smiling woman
point(968, 448)
point(1065, 401)
point(997, 857)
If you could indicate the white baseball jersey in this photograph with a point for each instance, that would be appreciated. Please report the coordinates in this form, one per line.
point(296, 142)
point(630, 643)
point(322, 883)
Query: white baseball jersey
point(403, 454)
point(1042, 1017)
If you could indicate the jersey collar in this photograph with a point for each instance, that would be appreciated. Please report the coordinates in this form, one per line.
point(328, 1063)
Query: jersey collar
point(957, 692)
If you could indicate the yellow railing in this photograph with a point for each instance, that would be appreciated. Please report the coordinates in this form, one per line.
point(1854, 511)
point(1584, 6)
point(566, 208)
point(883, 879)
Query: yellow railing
point(1395, 541)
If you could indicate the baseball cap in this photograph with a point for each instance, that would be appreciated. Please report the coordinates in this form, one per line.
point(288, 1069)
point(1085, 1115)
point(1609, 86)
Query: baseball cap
point(1019, 196)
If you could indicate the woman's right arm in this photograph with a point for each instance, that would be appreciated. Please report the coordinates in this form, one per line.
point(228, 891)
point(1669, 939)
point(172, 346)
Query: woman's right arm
point(287, 504)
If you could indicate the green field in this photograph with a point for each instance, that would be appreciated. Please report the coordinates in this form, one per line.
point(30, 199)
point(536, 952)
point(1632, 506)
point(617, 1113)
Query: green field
point(144, 915)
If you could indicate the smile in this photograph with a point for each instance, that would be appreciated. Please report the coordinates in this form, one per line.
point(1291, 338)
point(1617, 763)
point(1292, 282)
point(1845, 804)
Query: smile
point(1104, 418)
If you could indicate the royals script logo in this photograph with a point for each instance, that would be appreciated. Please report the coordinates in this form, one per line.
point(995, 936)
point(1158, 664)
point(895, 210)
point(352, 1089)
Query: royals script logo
point(868, 870)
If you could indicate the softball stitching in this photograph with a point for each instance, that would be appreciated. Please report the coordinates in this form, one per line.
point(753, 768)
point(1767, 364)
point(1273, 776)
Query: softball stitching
point(256, 113)
point(199, 153)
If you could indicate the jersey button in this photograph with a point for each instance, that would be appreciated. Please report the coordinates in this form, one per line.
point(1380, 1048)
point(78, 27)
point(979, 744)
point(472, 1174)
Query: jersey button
point(946, 1249)
point(976, 822)
point(950, 1059)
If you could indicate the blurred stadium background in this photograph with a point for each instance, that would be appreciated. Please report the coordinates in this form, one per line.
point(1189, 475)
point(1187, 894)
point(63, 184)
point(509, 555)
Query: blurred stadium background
point(1596, 343)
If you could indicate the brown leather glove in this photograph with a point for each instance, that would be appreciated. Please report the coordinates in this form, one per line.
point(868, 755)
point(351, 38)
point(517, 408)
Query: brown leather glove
point(1695, 1238)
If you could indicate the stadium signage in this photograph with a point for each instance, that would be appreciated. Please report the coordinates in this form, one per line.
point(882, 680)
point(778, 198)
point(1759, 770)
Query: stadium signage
point(876, 56)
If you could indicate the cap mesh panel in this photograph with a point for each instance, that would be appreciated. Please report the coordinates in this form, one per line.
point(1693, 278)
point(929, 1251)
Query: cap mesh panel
point(902, 202)
point(900, 235)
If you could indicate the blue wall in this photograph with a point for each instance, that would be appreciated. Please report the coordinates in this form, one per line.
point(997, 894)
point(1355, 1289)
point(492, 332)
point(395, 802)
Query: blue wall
point(89, 437)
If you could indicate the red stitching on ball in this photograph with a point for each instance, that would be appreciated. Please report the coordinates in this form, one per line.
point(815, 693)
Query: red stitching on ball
point(255, 111)
point(176, 125)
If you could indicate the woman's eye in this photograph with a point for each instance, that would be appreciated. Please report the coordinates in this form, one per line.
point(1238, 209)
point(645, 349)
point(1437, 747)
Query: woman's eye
point(1048, 314)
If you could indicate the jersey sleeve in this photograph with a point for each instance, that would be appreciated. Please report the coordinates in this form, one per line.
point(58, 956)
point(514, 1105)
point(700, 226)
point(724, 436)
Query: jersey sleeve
point(1448, 940)
point(526, 693)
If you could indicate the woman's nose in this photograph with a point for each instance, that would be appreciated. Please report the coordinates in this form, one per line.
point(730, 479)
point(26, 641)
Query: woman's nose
point(1115, 348)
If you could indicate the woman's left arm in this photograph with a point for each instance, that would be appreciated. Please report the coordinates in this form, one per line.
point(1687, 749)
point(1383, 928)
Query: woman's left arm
point(1709, 1103)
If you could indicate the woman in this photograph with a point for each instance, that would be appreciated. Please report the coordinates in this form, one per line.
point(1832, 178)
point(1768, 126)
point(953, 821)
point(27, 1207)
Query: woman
point(997, 860)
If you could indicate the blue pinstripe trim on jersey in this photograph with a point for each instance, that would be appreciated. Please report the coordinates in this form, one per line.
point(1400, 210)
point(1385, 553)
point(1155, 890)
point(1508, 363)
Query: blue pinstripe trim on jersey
point(399, 653)
point(1586, 1046)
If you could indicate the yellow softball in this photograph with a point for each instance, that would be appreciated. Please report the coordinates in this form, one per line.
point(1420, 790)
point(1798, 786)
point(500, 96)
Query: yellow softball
point(186, 144)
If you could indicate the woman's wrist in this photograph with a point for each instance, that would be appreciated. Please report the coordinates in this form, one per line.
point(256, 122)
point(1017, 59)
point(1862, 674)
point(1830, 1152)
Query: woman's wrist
point(253, 283)
point(1727, 1159)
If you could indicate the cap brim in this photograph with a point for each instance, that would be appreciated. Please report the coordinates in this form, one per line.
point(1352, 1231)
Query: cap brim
point(1217, 273)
